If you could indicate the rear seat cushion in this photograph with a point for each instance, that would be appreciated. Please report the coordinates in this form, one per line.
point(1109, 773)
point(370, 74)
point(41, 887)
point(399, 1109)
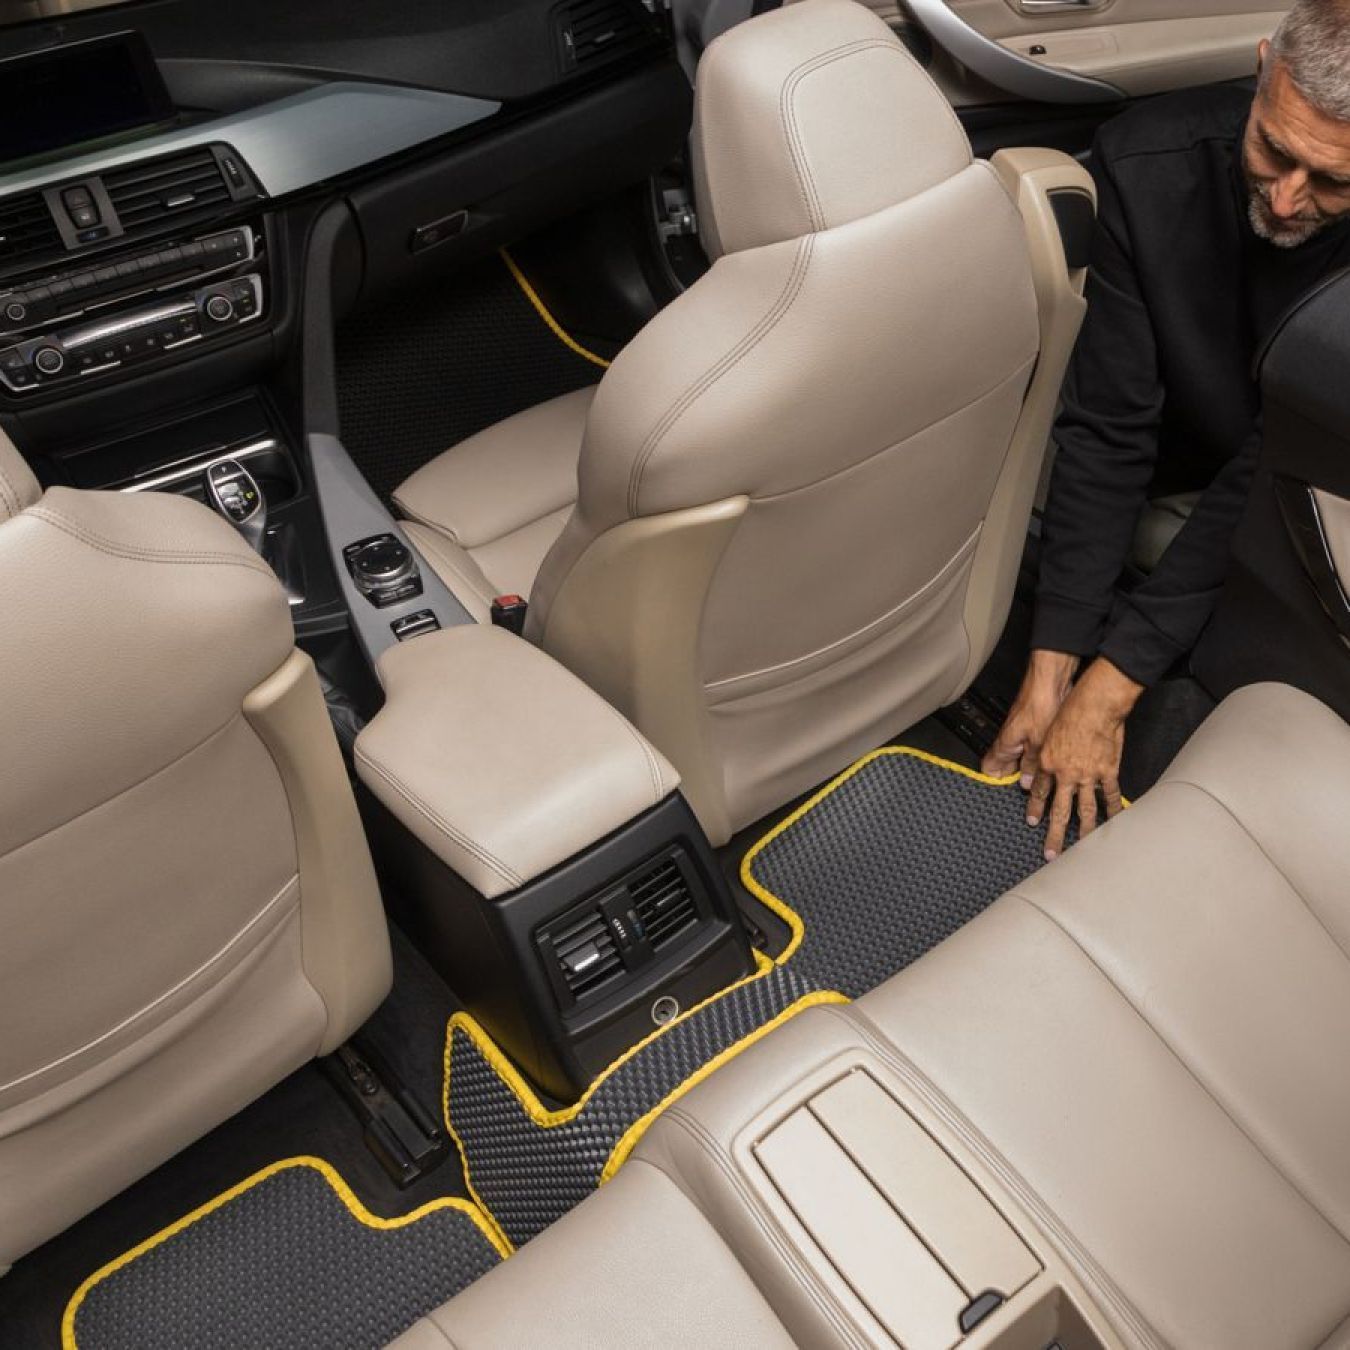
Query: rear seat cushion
point(636, 1265)
point(1151, 1032)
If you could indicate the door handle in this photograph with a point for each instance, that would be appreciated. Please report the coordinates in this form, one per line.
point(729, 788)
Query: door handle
point(1060, 6)
point(1007, 69)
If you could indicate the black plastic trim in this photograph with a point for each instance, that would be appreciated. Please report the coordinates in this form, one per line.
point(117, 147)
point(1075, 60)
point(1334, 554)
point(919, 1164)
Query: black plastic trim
point(486, 950)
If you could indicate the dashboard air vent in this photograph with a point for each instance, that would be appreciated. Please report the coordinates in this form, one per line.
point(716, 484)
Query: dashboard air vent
point(28, 233)
point(144, 195)
point(592, 31)
point(664, 903)
point(585, 953)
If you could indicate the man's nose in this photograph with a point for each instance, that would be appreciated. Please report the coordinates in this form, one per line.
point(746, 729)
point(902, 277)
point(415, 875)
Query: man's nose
point(1287, 194)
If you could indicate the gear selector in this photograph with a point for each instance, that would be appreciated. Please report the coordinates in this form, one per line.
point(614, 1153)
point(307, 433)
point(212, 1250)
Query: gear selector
point(234, 492)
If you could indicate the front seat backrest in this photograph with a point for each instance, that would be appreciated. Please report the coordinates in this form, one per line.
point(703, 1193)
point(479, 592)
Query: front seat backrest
point(188, 907)
point(786, 476)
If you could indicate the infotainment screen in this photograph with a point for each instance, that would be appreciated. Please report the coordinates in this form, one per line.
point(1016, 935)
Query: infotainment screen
point(82, 91)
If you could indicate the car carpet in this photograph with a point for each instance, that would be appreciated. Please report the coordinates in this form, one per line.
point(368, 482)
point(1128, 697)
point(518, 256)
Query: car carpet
point(426, 366)
point(879, 866)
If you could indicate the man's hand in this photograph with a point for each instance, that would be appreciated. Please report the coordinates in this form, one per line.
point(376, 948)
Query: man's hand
point(1044, 688)
point(1082, 752)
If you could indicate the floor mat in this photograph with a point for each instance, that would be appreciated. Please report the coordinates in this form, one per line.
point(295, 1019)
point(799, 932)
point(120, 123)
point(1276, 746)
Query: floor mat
point(288, 1257)
point(882, 864)
point(425, 367)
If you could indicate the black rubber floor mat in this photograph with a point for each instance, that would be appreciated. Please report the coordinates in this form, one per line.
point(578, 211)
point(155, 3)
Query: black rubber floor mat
point(423, 368)
point(290, 1258)
point(879, 866)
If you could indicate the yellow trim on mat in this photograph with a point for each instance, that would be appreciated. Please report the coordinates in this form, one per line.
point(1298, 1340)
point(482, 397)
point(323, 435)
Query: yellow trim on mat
point(777, 905)
point(541, 309)
point(628, 1140)
point(330, 1174)
point(547, 1119)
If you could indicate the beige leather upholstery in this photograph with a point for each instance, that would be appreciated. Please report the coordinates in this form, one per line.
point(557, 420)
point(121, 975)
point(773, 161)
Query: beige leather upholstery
point(18, 488)
point(1136, 1057)
point(486, 512)
point(636, 1266)
point(1149, 1035)
point(810, 122)
point(500, 761)
point(804, 486)
point(189, 909)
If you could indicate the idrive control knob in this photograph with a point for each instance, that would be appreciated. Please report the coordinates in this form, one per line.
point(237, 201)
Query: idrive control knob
point(383, 569)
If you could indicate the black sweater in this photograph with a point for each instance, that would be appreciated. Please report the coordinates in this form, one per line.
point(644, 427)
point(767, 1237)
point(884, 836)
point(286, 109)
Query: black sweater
point(1159, 396)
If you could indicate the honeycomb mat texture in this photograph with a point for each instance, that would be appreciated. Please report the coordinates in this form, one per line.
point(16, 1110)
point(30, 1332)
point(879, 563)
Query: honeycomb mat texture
point(881, 865)
point(287, 1258)
point(427, 366)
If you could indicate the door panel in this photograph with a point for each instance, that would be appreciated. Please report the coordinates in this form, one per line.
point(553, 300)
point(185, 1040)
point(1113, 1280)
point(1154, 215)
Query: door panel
point(1101, 50)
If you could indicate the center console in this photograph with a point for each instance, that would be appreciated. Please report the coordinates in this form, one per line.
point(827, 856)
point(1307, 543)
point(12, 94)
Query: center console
point(544, 860)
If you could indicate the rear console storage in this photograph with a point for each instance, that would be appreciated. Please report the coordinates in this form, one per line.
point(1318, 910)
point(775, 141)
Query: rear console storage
point(543, 858)
point(828, 1166)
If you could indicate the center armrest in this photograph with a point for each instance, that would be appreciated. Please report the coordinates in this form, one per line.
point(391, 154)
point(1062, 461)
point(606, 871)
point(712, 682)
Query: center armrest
point(499, 760)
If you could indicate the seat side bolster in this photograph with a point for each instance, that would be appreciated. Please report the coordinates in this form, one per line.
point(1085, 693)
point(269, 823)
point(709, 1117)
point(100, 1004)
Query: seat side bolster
point(1031, 177)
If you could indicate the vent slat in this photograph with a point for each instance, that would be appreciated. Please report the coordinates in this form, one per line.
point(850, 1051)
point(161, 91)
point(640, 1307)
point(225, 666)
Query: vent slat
point(27, 231)
point(594, 30)
point(664, 904)
point(122, 179)
point(590, 930)
point(145, 194)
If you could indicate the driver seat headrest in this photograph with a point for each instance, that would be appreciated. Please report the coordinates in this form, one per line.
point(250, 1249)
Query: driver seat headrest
point(811, 116)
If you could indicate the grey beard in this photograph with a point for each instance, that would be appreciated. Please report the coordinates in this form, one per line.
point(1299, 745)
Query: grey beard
point(1257, 213)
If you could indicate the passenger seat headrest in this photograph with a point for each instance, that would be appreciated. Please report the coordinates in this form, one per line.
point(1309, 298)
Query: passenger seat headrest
point(18, 488)
point(809, 117)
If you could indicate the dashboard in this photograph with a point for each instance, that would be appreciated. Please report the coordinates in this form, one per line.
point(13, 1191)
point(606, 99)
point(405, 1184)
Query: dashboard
point(211, 189)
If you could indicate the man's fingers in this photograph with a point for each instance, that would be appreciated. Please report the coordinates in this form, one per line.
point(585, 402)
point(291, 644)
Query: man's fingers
point(1040, 794)
point(1087, 808)
point(1029, 767)
point(1002, 758)
point(1115, 803)
point(1060, 812)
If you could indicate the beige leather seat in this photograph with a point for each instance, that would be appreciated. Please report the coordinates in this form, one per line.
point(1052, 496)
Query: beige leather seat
point(802, 490)
point(1139, 1056)
point(188, 908)
point(486, 514)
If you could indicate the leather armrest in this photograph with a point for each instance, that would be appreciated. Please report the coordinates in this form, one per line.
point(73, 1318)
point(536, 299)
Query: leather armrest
point(499, 760)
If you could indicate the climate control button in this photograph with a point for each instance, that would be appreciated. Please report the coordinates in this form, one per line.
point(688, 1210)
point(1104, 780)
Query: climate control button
point(49, 360)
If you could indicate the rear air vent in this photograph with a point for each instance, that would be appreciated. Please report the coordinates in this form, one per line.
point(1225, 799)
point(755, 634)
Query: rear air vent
point(664, 904)
point(585, 953)
point(145, 195)
point(28, 233)
point(594, 31)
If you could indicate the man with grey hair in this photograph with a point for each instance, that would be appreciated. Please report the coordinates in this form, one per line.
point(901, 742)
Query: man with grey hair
point(1217, 212)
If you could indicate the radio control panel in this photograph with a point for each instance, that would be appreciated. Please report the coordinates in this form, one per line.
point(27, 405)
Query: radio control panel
point(67, 328)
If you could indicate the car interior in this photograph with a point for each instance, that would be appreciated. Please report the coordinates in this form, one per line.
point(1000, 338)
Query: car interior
point(518, 522)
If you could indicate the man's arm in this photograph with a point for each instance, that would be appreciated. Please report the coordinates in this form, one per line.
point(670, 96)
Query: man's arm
point(1107, 438)
point(1162, 618)
point(1161, 623)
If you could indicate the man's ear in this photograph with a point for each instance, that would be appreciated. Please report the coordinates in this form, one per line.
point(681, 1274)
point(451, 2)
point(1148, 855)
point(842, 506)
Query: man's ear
point(1262, 52)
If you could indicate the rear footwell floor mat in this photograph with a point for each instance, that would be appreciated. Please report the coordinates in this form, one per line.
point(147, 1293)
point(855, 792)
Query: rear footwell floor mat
point(891, 857)
point(288, 1257)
